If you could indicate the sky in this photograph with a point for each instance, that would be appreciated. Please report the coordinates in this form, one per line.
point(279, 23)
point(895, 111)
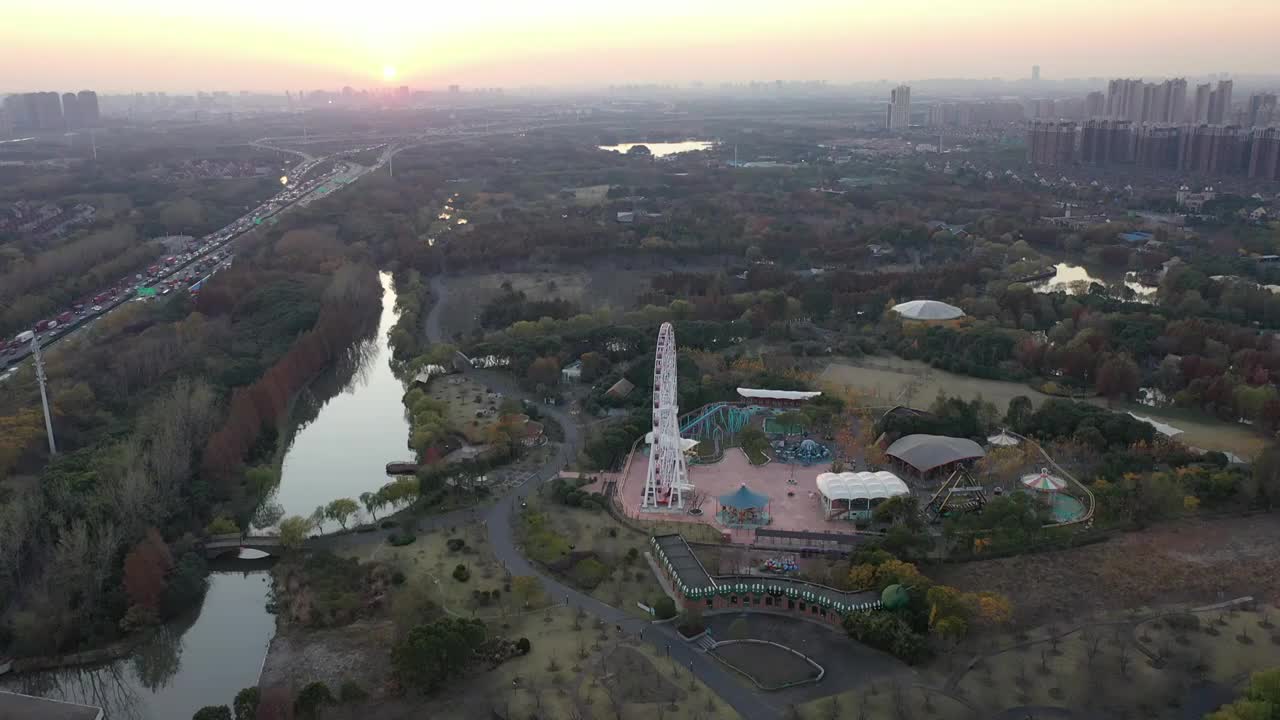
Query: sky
point(274, 45)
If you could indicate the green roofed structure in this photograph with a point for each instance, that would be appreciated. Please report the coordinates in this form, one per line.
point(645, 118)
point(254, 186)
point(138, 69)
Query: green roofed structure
point(743, 508)
point(698, 588)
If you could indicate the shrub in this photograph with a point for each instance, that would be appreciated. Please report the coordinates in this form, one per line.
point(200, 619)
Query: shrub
point(222, 525)
point(523, 646)
point(632, 555)
point(589, 573)
point(212, 712)
point(400, 540)
point(351, 692)
point(455, 544)
point(397, 578)
point(311, 699)
point(461, 573)
point(387, 524)
point(664, 608)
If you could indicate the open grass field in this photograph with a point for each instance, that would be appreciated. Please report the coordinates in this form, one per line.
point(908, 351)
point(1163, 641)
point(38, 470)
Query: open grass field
point(629, 579)
point(885, 382)
point(464, 398)
point(590, 195)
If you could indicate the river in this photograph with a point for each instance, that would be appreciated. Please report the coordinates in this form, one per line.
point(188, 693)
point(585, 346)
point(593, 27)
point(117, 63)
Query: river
point(662, 149)
point(353, 424)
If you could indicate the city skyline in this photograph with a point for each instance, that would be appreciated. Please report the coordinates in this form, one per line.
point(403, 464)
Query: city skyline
point(149, 45)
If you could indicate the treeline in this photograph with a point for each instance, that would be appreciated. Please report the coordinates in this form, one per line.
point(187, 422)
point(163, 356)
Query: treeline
point(344, 314)
point(513, 306)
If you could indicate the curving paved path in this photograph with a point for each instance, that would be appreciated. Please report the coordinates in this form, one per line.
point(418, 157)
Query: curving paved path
point(499, 520)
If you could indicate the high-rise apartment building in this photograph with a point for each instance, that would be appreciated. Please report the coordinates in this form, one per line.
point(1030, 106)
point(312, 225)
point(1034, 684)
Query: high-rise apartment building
point(1211, 150)
point(1261, 109)
point(1200, 111)
point(1095, 105)
point(1156, 147)
point(899, 109)
point(87, 101)
point(1106, 142)
point(1264, 154)
point(1035, 73)
point(71, 111)
point(974, 114)
point(1051, 143)
point(1138, 101)
point(1220, 103)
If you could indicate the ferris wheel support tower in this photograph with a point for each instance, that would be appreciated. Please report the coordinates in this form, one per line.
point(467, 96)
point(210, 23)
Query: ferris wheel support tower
point(668, 475)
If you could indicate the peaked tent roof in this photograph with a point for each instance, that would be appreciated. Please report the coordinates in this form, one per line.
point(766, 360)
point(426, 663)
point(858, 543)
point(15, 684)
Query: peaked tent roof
point(743, 498)
point(928, 310)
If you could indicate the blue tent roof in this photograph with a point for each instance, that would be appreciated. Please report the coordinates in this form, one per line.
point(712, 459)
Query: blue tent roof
point(742, 499)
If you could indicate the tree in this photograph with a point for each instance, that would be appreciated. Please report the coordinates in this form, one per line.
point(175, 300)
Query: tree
point(1019, 411)
point(373, 502)
point(594, 366)
point(664, 608)
point(544, 371)
point(341, 510)
point(212, 712)
point(1118, 377)
point(145, 571)
point(293, 531)
point(312, 698)
point(527, 588)
point(222, 525)
point(246, 703)
point(434, 652)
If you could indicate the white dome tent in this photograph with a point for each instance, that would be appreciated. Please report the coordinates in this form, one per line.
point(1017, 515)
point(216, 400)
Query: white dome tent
point(928, 310)
point(855, 495)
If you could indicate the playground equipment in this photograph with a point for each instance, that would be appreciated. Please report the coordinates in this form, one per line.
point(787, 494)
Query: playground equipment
point(961, 493)
point(807, 452)
point(781, 565)
point(668, 475)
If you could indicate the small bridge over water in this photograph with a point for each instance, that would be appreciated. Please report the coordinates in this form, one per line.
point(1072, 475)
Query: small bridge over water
point(218, 545)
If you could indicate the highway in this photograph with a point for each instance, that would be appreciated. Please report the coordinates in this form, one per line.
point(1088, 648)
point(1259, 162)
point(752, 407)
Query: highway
point(213, 250)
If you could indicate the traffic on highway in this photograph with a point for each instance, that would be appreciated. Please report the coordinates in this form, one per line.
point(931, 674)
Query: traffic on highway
point(185, 271)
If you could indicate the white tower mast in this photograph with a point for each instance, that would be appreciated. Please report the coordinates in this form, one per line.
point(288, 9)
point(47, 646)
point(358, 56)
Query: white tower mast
point(40, 378)
point(668, 475)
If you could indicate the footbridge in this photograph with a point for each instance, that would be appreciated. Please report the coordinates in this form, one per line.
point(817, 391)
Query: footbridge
point(218, 545)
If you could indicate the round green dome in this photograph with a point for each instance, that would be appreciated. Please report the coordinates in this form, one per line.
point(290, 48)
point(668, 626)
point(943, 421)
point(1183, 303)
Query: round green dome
point(895, 596)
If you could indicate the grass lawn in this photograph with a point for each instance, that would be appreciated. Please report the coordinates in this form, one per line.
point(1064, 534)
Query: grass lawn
point(578, 533)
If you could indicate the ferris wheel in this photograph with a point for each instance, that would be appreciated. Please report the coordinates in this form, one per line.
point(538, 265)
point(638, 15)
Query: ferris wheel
point(668, 475)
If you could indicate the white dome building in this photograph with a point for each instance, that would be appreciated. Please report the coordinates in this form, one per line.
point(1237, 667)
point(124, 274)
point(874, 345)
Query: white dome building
point(928, 310)
point(855, 495)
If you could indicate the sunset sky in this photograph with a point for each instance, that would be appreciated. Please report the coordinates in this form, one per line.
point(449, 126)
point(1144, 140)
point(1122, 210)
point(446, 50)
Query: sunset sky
point(272, 45)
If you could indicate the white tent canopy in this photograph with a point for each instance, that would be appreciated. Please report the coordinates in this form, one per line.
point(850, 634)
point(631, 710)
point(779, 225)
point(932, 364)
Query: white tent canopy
point(1003, 439)
point(860, 485)
point(754, 394)
point(928, 310)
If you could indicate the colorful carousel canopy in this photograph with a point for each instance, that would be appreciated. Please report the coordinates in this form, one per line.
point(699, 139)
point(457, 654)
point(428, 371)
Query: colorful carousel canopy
point(1043, 481)
point(743, 499)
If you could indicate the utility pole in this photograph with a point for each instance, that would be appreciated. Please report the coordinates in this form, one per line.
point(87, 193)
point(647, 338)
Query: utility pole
point(40, 378)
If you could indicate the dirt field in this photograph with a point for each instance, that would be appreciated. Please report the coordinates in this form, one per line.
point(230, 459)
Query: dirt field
point(1194, 561)
point(465, 398)
point(590, 195)
point(891, 381)
point(769, 665)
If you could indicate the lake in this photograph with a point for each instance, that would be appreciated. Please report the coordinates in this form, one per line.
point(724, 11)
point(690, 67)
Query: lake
point(663, 149)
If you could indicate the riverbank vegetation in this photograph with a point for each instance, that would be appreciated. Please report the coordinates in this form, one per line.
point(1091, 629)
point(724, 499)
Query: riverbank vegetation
point(156, 409)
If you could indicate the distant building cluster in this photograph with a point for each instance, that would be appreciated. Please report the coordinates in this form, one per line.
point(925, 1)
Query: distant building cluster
point(1199, 149)
point(50, 111)
point(974, 114)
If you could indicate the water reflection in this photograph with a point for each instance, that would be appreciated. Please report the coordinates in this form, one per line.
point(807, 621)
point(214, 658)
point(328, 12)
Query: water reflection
point(661, 149)
point(201, 660)
point(349, 425)
point(1076, 279)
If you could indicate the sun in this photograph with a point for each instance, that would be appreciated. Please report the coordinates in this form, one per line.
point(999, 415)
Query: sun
point(388, 72)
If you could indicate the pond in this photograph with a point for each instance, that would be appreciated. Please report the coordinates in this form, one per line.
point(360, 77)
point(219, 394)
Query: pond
point(663, 149)
point(1075, 280)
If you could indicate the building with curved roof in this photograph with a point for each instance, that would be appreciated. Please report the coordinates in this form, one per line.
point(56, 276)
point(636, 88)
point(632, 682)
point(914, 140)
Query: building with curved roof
point(928, 311)
point(854, 495)
point(926, 453)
